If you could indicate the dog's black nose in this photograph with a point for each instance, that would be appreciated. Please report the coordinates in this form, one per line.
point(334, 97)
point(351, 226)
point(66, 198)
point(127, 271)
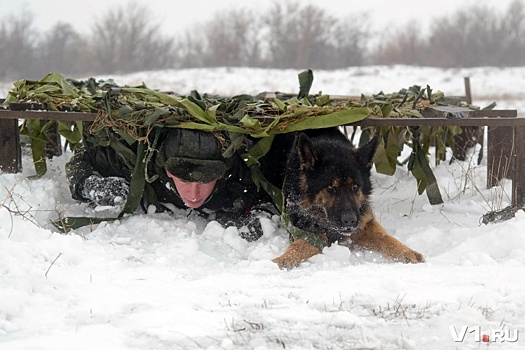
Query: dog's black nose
point(349, 220)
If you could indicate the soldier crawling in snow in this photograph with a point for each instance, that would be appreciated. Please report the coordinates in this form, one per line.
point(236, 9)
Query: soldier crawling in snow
point(188, 171)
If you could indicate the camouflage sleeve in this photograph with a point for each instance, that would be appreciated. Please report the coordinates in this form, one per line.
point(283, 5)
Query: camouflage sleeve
point(296, 233)
point(251, 192)
point(239, 194)
point(78, 169)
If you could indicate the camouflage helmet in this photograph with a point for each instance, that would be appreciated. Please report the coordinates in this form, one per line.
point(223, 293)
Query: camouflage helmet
point(192, 155)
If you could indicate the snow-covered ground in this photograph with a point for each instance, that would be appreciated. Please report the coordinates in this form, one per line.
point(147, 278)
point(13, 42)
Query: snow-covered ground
point(172, 281)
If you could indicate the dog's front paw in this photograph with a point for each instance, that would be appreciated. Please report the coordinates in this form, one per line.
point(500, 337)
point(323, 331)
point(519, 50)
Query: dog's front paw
point(410, 256)
point(284, 262)
point(296, 253)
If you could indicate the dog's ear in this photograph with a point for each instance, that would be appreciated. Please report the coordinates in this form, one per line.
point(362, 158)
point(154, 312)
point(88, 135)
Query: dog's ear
point(365, 154)
point(306, 151)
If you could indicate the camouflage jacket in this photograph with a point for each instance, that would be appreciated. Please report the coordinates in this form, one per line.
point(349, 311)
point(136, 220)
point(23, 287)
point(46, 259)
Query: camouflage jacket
point(235, 194)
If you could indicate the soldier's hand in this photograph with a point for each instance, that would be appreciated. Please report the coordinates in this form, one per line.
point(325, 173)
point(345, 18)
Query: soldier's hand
point(250, 228)
point(110, 191)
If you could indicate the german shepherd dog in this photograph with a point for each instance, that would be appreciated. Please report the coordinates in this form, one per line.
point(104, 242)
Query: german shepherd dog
point(326, 187)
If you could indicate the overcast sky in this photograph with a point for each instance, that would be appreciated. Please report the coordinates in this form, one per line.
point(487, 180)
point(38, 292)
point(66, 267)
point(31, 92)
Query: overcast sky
point(176, 16)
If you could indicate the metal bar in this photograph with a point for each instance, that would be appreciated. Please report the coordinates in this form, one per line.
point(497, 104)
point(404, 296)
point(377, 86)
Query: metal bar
point(47, 115)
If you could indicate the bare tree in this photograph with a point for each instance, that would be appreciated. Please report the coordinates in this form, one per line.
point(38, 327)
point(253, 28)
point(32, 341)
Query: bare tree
point(191, 50)
point(126, 40)
point(349, 40)
point(299, 37)
point(403, 46)
point(17, 44)
point(474, 36)
point(288, 35)
point(232, 39)
point(512, 35)
point(60, 50)
point(469, 38)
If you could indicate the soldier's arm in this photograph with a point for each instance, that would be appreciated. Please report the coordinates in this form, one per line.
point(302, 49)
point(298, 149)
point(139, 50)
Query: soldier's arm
point(78, 169)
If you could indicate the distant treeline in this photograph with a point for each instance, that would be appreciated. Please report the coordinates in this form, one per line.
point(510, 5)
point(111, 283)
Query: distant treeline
point(288, 35)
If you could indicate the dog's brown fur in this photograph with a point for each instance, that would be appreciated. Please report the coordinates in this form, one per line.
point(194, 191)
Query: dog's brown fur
point(337, 208)
point(369, 236)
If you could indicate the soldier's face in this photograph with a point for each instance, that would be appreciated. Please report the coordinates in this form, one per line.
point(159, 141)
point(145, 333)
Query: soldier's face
point(194, 194)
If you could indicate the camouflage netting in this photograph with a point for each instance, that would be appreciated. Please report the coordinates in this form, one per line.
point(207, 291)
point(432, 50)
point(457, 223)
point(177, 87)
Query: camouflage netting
point(133, 112)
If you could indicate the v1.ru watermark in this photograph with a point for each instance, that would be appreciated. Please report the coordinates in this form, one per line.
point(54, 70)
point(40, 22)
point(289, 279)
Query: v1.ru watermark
point(493, 336)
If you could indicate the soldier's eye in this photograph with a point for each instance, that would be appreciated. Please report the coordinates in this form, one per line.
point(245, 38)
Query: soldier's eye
point(355, 187)
point(331, 189)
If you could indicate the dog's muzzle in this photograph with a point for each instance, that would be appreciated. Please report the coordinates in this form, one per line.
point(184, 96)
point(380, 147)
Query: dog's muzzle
point(347, 231)
point(349, 223)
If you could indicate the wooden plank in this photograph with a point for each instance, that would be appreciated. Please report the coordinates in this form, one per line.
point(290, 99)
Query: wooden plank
point(47, 115)
point(469, 134)
point(54, 146)
point(513, 121)
point(518, 171)
point(499, 154)
point(494, 113)
point(449, 112)
point(10, 152)
point(468, 93)
point(23, 106)
point(453, 112)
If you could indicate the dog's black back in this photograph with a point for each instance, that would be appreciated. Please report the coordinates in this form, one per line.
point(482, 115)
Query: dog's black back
point(325, 179)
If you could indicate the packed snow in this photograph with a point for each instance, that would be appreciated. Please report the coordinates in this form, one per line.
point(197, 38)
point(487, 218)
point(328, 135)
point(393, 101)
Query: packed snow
point(174, 281)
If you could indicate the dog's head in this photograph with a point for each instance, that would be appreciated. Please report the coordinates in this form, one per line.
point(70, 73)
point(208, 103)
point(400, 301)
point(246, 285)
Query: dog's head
point(333, 185)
